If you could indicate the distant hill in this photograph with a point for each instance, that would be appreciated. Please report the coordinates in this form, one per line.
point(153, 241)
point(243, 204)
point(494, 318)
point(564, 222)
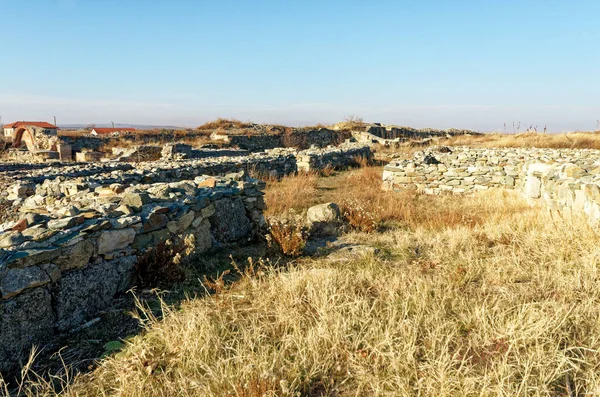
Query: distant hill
point(108, 125)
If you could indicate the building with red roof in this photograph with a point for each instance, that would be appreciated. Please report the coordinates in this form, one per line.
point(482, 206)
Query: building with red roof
point(33, 126)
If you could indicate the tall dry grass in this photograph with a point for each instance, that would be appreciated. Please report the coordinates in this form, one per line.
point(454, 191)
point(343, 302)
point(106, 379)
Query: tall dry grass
point(507, 306)
point(573, 140)
point(362, 187)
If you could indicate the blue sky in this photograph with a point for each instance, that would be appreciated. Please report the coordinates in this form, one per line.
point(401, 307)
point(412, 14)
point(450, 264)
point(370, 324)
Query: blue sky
point(471, 64)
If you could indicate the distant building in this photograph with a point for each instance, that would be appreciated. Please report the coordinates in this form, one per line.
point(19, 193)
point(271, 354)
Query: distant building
point(33, 127)
point(111, 131)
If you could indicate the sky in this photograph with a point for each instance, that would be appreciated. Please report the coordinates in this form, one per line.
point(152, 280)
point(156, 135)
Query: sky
point(480, 64)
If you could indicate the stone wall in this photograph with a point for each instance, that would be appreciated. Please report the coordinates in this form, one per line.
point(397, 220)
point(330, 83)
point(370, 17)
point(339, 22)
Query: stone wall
point(346, 155)
point(566, 187)
point(463, 169)
point(66, 180)
point(65, 260)
point(395, 132)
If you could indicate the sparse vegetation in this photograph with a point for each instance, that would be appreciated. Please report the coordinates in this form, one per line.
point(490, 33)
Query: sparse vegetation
point(161, 265)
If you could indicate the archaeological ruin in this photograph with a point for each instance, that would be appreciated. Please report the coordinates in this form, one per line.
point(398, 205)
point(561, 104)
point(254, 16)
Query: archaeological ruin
point(82, 210)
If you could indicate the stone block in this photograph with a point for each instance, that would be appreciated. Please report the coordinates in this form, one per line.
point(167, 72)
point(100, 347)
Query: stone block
point(25, 320)
point(229, 222)
point(112, 240)
point(82, 293)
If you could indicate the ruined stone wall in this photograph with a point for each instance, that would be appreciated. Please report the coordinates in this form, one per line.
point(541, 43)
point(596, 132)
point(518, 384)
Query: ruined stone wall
point(466, 169)
point(394, 132)
point(565, 187)
point(322, 138)
point(333, 157)
point(64, 180)
point(67, 259)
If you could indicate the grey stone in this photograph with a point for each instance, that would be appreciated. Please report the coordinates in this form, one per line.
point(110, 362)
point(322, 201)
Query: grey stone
point(66, 223)
point(11, 239)
point(83, 293)
point(324, 213)
point(208, 211)
point(203, 237)
point(135, 200)
point(25, 320)
point(17, 280)
point(52, 270)
point(75, 256)
point(181, 224)
point(229, 222)
point(125, 267)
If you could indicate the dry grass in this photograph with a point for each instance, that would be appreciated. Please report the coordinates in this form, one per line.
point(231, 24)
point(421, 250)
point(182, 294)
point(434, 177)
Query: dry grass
point(363, 187)
point(226, 124)
point(573, 140)
point(471, 295)
point(295, 192)
point(504, 307)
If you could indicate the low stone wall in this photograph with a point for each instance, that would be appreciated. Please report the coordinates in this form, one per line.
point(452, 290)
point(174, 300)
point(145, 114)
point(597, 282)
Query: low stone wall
point(59, 182)
point(395, 132)
point(566, 187)
point(333, 157)
point(463, 169)
point(64, 261)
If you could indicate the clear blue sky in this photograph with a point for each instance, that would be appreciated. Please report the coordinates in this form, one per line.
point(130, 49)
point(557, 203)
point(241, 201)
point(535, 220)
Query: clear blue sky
point(473, 64)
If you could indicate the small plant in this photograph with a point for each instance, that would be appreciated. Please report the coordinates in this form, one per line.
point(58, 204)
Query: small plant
point(161, 266)
point(289, 233)
point(360, 216)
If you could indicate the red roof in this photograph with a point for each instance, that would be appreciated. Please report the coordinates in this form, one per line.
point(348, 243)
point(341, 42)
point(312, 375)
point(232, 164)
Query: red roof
point(41, 124)
point(111, 130)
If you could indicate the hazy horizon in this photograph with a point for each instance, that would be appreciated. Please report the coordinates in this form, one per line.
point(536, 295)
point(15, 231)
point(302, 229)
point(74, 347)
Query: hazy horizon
point(461, 64)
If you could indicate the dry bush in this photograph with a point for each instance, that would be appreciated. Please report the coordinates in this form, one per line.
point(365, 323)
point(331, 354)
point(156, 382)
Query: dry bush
point(226, 124)
point(161, 266)
point(289, 233)
point(360, 215)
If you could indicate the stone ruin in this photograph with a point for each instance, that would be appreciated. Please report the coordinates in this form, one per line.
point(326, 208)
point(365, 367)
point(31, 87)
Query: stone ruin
point(563, 179)
point(79, 229)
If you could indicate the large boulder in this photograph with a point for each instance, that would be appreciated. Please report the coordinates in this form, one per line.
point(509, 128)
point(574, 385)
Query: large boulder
point(328, 212)
point(324, 219)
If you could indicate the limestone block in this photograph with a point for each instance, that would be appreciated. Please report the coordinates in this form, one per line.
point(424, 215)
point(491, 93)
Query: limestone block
point(229, 222)
point(75, 256)
point(532, 186)
point(203, 237)
point(112, 240)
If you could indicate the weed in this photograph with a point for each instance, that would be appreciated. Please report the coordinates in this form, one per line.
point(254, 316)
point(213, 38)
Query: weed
point(160, 266)
point(289, 233)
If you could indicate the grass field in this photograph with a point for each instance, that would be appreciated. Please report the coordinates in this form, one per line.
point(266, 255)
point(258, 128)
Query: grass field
point(573, 140)
point(466, 296)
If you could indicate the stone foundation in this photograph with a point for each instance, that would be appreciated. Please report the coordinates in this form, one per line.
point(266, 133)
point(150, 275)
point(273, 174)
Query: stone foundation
point(464, 170)
point(62, 264)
